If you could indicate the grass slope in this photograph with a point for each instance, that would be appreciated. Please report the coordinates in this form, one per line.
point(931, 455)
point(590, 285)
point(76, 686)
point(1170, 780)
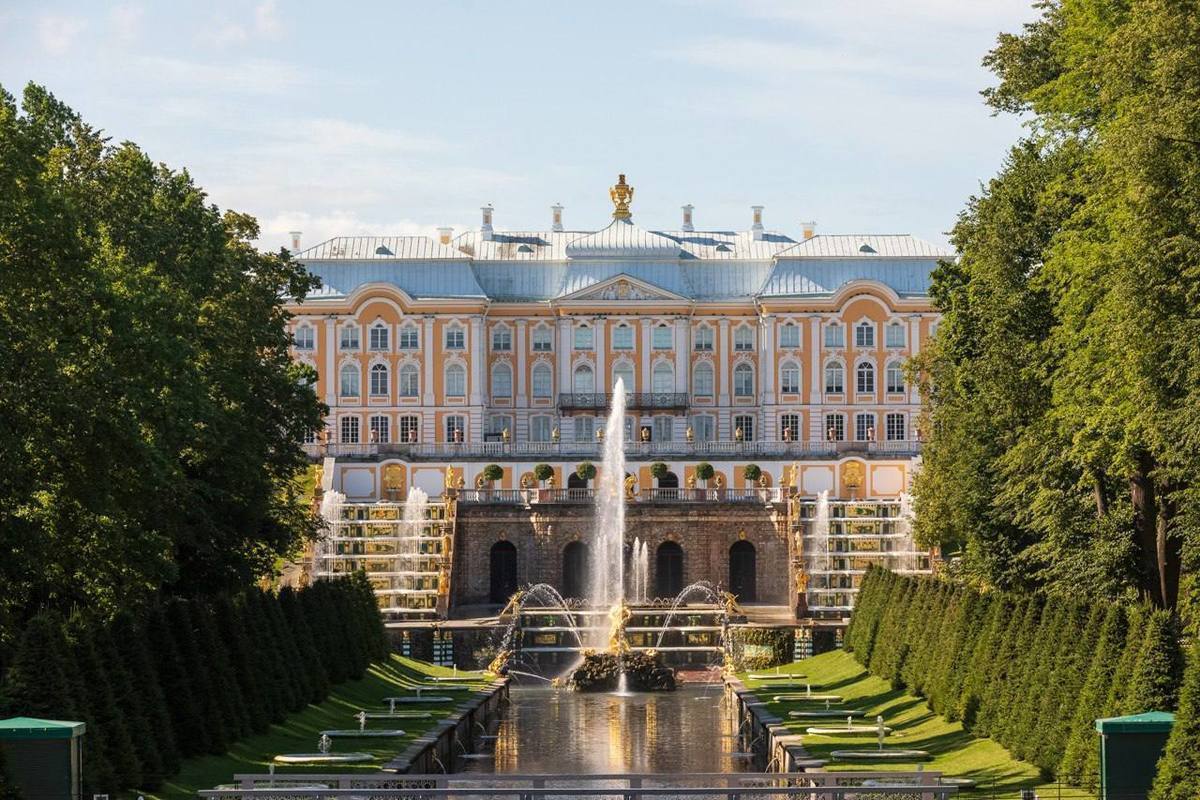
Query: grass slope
point(299, 732)
point(915, 726)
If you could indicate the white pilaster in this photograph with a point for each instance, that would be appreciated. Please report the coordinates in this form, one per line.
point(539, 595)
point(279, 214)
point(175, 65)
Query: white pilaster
point(521, 400)
point(683, 354)
point(563, 354)
point(724, 352)
point(602, 384)
point(645, 357)
point(428, 347)
point(331, 374)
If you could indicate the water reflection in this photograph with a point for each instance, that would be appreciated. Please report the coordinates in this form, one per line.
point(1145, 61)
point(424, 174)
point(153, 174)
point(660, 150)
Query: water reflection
point(555, 731)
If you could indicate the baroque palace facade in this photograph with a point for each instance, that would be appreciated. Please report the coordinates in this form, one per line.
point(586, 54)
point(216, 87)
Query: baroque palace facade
point(502, 348)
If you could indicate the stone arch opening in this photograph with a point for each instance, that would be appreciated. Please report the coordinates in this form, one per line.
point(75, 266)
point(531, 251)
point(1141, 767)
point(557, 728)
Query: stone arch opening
point(503, 569)
point(668, 570)
point(575, 570)
point(743, 572)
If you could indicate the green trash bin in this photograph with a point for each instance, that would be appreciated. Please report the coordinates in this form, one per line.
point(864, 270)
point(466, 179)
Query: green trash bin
point(1129, 751)
point(44, 757)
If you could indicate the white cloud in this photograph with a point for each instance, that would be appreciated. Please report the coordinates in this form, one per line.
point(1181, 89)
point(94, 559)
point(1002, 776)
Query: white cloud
point(126, 21)
point(246, 76)
point(317, 228)
point(57, 33)
point(265, 24)
point(266, 19)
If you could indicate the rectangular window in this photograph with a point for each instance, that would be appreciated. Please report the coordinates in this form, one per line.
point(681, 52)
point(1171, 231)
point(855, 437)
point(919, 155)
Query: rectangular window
point(540, 428)
point(455, 338)
point(543, 381)
point(835, 428)
point(790, 427)
point(895, 378)
point(407, 429)
point(622, 338)
point(896, 428)
point(704, 428)
point(348, 338)
point(790, 379)
point(743, 339)
point(585, 429)
point(583, 338)
point(864, 427)
point(496, 425)
point(502, 340)
point(349, 430)
point(789, 335)
point(745, 423)
point(834, 335)
point(380, 428)
point(304, 338)
point(661, 338)
point(864, 334)
point(662, 429)
point(410, 381)
point(378, 340)
point(743, 381)
point(456, 429)
point(895, 335)
point(542, 339)
point(409, 339)
point(703, 342)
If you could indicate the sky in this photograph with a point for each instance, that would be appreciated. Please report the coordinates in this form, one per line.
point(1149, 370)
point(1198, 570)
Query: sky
point(392, 118)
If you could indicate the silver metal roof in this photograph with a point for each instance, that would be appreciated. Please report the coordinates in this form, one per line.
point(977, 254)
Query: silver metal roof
point(623, 239)
point(865, 246)
point(823, 277)
point(419, 279)
point(361, 248)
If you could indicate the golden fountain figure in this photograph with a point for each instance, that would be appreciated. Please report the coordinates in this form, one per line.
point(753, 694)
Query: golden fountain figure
point(619, 617)
point(622, 196)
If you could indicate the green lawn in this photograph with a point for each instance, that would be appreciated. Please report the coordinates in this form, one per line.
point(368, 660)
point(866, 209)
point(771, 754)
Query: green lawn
point(955, 752)
point(300, 732)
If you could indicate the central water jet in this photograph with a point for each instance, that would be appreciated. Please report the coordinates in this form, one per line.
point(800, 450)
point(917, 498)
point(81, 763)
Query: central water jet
point(606, 587)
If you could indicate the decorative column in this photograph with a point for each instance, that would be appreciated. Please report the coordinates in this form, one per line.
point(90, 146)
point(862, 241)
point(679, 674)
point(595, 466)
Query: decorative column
point(645, 357)
point(563, 355)
point(477, 351)
point(724, 352)
point(683, 354)
point(520, 395)
point(598, 326)
point(815, 417)
point(430, 347)
point(331, 374)
point(914, 349)
point(766, 362)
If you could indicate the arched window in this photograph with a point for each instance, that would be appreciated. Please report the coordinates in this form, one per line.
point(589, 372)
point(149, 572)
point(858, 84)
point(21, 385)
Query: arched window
point(542, 339)
point(410, 381)
point(543, 381)
point(895, 335)
point(502, 381)
point(349, 381)
point(623, 372)
point(456, 338)
point(348, 338)
point(743, 572)
point(835, 378)
point(834, 335)
point(574, 569)
point(743, 380)
point(456, 380)
point(662, 379)
point(743, 339)
point(702, 380)
point(865, 378)
point(895, 378)
point(379, 380)
point(502, 339)
point(409, 339)
point(789, 378)
point(584, 380)
point(304, 337)
point(789, 335)
point(703, 341)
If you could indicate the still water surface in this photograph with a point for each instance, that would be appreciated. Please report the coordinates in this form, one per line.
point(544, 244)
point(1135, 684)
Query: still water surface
point(557, 731)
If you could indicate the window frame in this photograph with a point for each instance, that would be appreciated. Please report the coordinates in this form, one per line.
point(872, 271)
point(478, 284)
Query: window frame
point(864, 375)
point(497, 370)
point(583, 338)
point(350, 429)
point(789, 328)
point(704, 339)
point(350, 338)
point(896, 367)
point(841, 377)
point(502, 339)
point(620, 334)
point(376, 424)
point(541, 339)
point(865, 335)
point(743, 344)
point(405, 331)
point(662, 337)
point(376, 386)
point(787, 367)
point(456, 369)
point(346, 370)
point(310, 342)
point(402, 376)
point(454, 338)
point(535, 386)
point(379, 338)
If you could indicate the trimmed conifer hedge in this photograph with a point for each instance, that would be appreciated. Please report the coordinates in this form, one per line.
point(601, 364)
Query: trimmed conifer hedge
point(1032, 673)
point(190, 677)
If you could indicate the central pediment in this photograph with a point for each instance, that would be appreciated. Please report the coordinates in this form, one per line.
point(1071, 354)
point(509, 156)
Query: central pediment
point(623, 239)
point(623, 288)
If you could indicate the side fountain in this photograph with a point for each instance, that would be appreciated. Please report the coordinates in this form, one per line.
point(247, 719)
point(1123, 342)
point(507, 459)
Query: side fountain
point(324, 755)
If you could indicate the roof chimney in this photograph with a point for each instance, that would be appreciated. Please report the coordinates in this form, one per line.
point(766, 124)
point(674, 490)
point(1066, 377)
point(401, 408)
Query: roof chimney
point(295, 240)
point(556, 217)
point(485, 229)
point(808, 229)
point(445, 234)
point(687, 218)
point(756, 229)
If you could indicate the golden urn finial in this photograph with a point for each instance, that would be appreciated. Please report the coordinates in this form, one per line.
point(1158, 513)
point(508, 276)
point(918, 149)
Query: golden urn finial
point(622, 196)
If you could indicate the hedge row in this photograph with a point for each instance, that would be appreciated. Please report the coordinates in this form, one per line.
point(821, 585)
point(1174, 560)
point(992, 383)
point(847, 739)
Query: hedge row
point(1031, 673)
point(190, 677)
point(1179, 770)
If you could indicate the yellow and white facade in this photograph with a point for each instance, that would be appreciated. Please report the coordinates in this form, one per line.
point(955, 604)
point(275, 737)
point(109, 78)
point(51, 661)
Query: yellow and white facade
point(736, 347)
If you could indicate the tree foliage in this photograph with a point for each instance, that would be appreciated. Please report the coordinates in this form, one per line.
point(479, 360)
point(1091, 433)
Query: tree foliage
point(151, 412)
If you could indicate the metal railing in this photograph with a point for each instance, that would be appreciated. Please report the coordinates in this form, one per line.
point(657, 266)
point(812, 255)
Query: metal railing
point(600, 401)
point(732, 449)
point(817, 786)
point(648, 495)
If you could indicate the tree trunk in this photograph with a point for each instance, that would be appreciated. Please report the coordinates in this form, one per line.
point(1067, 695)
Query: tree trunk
point(1169, 549)
point(1101, 496)
point(1145, 531)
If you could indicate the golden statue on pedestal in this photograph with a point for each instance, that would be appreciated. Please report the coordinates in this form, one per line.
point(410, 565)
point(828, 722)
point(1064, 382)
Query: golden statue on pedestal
point(622, 196)
point(630, 487)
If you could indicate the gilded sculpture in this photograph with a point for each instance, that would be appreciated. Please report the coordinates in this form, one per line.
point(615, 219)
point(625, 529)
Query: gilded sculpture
point(622, 196)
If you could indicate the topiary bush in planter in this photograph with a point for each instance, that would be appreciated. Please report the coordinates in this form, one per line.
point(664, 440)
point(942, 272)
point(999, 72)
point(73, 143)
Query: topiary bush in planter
point(493, 472)
point(659, 470)
point(586, 471)
point(543, 472)
point(751, 472)
point(704, 471)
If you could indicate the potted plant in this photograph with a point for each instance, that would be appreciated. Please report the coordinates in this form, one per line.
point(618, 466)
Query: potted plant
point(704, 472)
point(659, 470)
point(586, 471)
point(543, 473)
point(492, 473)
point(751, 473)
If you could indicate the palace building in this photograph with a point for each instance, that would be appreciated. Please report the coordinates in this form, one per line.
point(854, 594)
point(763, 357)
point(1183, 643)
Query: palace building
point(470, 360)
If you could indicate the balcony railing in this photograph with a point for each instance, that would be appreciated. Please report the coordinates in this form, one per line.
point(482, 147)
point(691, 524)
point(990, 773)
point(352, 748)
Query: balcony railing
point(600, 401)
point(649, 495)
point(592, 449)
